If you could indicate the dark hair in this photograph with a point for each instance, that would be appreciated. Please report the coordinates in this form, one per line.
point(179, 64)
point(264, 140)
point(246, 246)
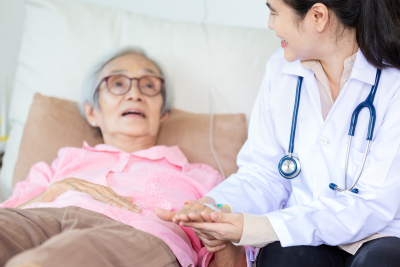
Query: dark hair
point(377, 24)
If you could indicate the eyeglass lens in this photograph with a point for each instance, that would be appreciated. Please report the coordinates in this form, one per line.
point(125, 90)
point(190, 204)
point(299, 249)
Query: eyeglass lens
point(148, 85)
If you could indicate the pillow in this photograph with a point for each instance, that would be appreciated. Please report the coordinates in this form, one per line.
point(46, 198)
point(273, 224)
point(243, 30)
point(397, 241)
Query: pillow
point(55, 123)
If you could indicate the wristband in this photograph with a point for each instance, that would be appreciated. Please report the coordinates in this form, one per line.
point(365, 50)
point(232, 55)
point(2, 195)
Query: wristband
point(224, 206)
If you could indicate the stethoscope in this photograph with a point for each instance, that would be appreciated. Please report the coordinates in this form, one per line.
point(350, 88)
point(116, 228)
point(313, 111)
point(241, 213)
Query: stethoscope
point(289, 166)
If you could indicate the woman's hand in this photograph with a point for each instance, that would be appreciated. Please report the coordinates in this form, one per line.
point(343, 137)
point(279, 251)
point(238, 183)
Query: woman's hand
point(98, 192)
point(223, 226)
point(192, 207)
point(195, 211)
point(211, 243)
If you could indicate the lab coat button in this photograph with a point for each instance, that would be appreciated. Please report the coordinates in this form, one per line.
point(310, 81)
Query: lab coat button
point(323, 141)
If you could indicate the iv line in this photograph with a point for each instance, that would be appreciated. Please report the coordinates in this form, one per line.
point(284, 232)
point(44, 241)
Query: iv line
point(210, 87)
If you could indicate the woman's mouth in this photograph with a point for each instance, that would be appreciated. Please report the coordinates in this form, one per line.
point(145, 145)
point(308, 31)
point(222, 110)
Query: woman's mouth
point(284, 43)
point(134, 112)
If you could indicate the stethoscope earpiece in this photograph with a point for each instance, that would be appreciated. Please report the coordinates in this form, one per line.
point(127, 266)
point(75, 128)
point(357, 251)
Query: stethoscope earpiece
point(334, 187)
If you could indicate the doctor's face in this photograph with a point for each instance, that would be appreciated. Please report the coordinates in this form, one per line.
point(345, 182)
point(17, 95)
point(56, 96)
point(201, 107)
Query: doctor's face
point(298, 38)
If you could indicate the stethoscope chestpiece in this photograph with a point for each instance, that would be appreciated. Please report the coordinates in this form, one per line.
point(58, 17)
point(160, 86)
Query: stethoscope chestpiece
point(289, 167)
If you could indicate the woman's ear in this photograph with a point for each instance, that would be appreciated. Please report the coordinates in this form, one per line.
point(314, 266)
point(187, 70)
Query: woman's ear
point(164, 117)
point(90, 114)
point(320, 15)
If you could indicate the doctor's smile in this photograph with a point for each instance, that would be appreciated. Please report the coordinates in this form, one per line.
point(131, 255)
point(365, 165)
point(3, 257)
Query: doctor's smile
point(318, 176)
point(284, 43)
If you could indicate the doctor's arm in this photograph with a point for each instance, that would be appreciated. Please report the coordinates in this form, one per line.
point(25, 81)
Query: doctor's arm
point(343, 219)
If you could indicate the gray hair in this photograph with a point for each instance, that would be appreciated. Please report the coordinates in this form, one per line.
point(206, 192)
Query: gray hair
point(89, 91)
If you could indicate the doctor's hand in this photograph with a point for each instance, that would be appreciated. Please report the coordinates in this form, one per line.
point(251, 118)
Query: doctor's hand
point(193, 211)
point(223, 227)
point(210, 243)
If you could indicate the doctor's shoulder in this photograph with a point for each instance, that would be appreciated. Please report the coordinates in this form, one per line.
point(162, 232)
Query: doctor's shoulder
point(277, 63)
point(274, 65)
point(274, 74)
point(277, 60)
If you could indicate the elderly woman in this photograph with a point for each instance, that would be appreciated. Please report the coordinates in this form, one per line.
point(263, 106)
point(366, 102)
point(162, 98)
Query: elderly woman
point(95, 206)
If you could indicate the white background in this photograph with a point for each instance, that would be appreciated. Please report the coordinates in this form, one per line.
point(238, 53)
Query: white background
point(248, 13)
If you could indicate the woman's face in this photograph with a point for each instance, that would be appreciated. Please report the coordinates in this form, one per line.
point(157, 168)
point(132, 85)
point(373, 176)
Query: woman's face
point(132, 114)
point(300, 40)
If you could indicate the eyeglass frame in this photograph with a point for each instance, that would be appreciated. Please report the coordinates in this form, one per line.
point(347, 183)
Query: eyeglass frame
point(105, 79)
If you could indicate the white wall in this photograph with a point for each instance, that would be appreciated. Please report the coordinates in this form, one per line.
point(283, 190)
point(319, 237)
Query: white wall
point(11, 20)
point(248, 13)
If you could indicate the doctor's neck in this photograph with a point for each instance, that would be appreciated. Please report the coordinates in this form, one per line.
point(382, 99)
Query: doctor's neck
point(333, 58)
point(371, 26)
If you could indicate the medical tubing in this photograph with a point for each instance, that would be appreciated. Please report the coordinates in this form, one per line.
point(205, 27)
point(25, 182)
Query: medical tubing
point(371, 99)
point(295, 112)
point(362, 167)
point(209, 85)
point(368, 103)
point(347, 162)
point(372, 94)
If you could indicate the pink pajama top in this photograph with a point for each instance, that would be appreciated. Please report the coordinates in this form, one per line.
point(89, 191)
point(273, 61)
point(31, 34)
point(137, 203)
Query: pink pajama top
point(158, 177)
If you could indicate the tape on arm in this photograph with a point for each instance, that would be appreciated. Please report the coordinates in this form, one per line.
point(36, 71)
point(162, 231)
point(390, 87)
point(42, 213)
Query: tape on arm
point(211, 206)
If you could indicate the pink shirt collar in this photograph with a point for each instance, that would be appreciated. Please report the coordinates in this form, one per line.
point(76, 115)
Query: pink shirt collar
point(172, 154)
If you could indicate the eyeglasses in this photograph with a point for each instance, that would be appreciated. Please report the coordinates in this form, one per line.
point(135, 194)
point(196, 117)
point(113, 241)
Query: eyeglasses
point(121, 84)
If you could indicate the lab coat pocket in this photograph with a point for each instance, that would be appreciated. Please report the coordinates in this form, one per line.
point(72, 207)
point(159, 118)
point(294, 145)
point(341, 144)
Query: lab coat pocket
point(354, 165)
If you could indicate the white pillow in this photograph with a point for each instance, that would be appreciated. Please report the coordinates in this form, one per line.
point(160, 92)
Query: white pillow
point(63, 39)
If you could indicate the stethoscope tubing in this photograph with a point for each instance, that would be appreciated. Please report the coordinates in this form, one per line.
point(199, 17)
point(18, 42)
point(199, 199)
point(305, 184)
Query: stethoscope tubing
point(295, 113)
point(368, 103)
point(295, 163)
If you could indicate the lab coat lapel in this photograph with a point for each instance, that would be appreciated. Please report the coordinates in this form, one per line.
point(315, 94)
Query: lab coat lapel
point(309, 81)
point(362, 70)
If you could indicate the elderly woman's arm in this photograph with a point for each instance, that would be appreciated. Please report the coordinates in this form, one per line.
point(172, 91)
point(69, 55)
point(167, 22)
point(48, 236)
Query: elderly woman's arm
point(36, 183)
point(98, 192)
point(231, 256)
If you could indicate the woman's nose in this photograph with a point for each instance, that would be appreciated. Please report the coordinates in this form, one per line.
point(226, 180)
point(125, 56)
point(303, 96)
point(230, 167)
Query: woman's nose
point(271, 25)
point(134, 93)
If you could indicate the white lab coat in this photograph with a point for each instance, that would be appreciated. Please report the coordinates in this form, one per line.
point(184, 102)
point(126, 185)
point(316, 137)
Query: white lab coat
point(305, 211)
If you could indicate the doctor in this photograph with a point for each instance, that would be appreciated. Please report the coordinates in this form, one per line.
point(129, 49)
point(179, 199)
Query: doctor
point(339, 48)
